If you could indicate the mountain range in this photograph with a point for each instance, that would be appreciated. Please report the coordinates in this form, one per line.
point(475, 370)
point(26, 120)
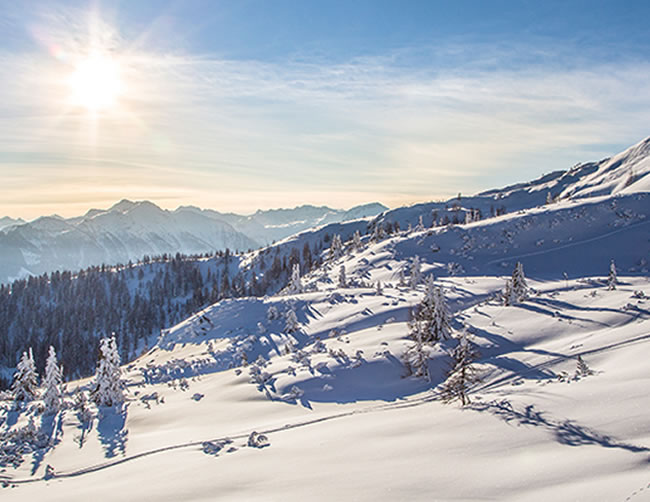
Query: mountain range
point(128, 230)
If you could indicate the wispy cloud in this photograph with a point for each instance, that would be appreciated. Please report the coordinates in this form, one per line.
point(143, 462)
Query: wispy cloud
point(236, 135)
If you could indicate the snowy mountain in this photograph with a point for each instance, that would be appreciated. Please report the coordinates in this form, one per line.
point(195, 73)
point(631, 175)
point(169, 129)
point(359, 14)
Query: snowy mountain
point(6, 222)
point(129, 230)
point(272, 225)
point(126, 231)
point(313, 391)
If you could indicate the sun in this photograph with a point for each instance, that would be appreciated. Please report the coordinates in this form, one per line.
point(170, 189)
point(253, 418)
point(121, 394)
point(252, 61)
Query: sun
point(95, 83)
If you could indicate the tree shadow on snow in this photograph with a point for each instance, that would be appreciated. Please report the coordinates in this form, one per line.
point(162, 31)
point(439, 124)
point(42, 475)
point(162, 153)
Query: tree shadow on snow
point(52, 429)
point(566, 432)
point(112, 431)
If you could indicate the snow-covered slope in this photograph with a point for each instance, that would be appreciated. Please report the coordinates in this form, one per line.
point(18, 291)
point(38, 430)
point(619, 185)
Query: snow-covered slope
point(6, 222)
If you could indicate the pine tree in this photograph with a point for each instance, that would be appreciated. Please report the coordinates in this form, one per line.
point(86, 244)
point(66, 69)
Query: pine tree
point(433, 314)
point(378, 289)
point(509, 297)
point(356, 240)
point(415, 358)
point(462, 373)
point(549, 198)
point(53, 381)
point(378, 233)
point(291, 325)
point(108, 382)
point(26, 378)
point(343, 282)
point(295, 284)
point(420, 225)
point(416, 272)
point(612, 280)
point(519, 286)
point(336, 248)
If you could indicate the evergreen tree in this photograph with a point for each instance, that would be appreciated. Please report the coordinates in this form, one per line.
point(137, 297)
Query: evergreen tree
point(519, 286)
point(26, 378)
point(433, 314)
point(509, 297)
point(292, 325)
point(295, 284)
point(416, 358)
point(441, 316)
point(53, 382)
point(343, 282)
point(612, 280)
point(336, 248)
point(356, 240)
point(462, 373)
point(378, 289)
point(378, 233)
point(420, 225)
point(416, 272)
point(549, 198)
point(108, 382)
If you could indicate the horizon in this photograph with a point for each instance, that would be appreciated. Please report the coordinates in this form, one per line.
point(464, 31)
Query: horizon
point(252, 106)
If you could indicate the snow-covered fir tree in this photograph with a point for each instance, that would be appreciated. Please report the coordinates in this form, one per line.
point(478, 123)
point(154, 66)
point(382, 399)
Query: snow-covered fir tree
point(291, 321)
point(518, 283)
point(420, 225)
point(508, 294)
point(549, 198)
point(53, 382)
point(433, 314)
point(295, 284)
point(462, 373)
point(416, 358)
point(612, 280)
point(25, 383)
point(378, 233)
point(108, 389)
point(378, 288)
point(356, 240)
point(343, 281)
point(416, 272)
point(336, 248)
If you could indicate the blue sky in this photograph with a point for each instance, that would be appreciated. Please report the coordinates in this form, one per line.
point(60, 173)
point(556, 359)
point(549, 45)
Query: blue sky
point(239, 105)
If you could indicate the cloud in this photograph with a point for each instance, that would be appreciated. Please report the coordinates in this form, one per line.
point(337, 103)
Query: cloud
point(395, 128)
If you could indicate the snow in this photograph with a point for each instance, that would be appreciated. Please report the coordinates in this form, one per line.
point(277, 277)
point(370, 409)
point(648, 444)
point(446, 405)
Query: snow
point(229, 404)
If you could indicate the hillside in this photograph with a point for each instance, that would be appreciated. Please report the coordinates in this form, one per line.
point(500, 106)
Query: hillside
point(321, 368)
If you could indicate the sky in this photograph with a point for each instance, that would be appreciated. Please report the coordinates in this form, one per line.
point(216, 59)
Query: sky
point(256, 104)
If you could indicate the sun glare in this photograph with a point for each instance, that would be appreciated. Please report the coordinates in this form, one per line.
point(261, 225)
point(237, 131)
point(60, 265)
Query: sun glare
point(95, 83)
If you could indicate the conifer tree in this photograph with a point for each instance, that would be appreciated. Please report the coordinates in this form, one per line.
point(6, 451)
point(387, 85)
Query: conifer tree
point(26, 378)
point(415, 358)
point(420, 225)
point(53, 381)
point(343, 282)
point(378, 289)
point(356, 240)
point(433, 314)
point(336, 248)
point(462, 373)
point(416, 272)
point(108, 389)
point(582, 369)
point(519, 286)
point(291, 325)
point(612, 280)
point(378, 233)
point(508, 294)
point(295, 284)
point(441, 316)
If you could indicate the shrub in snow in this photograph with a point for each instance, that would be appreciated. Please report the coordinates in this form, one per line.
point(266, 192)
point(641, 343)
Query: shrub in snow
point(416, 272)
point(53, 382)
point(462, 373)
point(25, 383)
point(612, 279)
point(257, 440)
point(343, 282)
point(291, 325)
point(582, 369)
point(108, 381)
point(272, 313)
